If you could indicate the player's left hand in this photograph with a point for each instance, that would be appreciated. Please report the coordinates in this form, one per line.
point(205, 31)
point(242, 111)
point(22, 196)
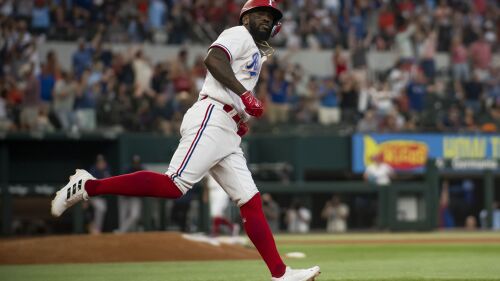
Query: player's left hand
point(253, 106)
point(242, 129)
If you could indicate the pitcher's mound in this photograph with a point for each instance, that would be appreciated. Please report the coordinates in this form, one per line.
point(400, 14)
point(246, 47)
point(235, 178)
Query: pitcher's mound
point(133, 247)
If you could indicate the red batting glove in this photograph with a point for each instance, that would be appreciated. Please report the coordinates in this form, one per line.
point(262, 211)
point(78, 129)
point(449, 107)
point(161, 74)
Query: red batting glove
point(253, 106)
point(242, 129)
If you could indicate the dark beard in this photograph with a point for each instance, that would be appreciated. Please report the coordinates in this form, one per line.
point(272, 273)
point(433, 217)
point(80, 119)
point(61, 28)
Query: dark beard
point(257, 34)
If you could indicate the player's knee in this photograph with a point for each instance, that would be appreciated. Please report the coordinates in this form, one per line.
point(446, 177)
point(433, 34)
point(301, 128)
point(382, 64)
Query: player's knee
point(255, 203)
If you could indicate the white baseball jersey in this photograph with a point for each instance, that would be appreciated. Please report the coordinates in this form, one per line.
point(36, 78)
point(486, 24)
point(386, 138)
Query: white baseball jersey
point(209, 142)
point(245, 60)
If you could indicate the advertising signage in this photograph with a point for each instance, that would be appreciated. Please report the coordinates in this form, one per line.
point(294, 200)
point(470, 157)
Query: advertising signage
point(410, 152)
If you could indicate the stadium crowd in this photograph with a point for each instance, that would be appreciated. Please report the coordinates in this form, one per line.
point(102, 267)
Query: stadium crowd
point(124, 90)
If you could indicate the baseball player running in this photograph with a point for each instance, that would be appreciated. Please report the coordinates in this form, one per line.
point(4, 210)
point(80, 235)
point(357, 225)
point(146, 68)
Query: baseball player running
point(211, 134)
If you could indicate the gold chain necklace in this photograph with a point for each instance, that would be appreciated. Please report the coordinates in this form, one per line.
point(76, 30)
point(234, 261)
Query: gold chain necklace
point(269, 50)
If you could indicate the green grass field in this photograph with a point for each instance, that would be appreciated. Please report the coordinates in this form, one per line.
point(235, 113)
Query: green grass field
point(351, 261)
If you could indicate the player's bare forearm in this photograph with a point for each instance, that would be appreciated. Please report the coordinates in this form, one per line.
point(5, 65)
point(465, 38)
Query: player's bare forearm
point(217, 63)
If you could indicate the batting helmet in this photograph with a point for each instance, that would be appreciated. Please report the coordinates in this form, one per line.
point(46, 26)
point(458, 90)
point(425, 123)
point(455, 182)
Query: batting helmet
point(254, 4)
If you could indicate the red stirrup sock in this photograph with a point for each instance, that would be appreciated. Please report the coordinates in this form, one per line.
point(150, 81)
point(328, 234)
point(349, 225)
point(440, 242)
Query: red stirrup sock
point(142, 183)
point(216, 223)
point(259, 232)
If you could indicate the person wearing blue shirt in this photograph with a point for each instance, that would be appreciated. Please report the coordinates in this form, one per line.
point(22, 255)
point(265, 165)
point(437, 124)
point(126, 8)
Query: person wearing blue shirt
point(85, 105)
point(47, 83)
point(82, 58)
point(156, 14)
point(416, 93)
point(278, 88)
point(357, 23)
point(329, 112)
point(40, 18)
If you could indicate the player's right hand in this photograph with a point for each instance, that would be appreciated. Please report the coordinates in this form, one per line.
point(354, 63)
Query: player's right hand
point(253, 106)
point(242, 129)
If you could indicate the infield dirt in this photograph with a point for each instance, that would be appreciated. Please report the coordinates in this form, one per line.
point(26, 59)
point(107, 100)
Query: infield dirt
point(134, 247)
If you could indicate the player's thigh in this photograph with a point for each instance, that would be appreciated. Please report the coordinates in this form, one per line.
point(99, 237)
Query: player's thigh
point(233, 175)
point(192, 160)
point(206, 139)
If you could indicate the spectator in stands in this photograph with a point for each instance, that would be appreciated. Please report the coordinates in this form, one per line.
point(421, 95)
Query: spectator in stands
point(304, 110)
point(359, 50)
point(31, 97)
point(198, 73)
point(40, 17)
point(43, 124)
point(472, 92)
point(82, 58)
point(180, 73)
point(24, 9)
point(349, 97)
point(298, 218)
point(335, 213)
point(493, 86)
point(427, 53)
point(378, 172)
point(392, 122)
point(481, 55)
point(406, 26)
point(157, 13)
point(85, 103)
point(143, 72)
point(452, 121)
point(178, 24)
point(369, 122)
point(442, 16)
point(129, 208)
point(61, 24)
point(470, 123)
point(386, 21)
point(329, 112)
point(159, 81)
point(96, 73)
point(381, 98)
point(399, 77)
point(459, 60)
point(52, 65)
point(403, 41)
point(272, 212)
point(416, 92)
point(165, 113)
point(340, 62)
point(13, 97)
point(116, 32)
point(138, 29)
point(99, 170)
point(446, 218)
point(144, 116)
point(47, 83)
point(5, 122)
point(280, 90)
point(64, 99)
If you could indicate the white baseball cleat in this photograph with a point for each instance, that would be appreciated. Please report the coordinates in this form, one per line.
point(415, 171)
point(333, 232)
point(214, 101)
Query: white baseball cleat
point(299, 274)
point(71, 193)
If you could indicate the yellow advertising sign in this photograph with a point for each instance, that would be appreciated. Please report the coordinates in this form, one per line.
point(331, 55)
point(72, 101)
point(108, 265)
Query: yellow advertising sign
point(399, 154)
